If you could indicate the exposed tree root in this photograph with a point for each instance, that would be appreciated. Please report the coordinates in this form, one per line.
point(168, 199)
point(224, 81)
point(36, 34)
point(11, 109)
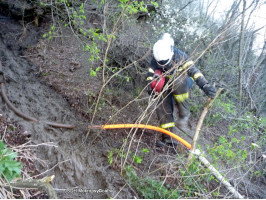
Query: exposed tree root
point(21, 114)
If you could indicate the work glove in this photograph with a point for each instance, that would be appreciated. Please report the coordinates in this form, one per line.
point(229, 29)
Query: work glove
point(209, 90)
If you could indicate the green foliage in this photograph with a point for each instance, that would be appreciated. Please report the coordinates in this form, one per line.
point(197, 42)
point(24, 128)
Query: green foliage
point(119, 152)
point(155, 4)
point(134, 6)
point(51, 33)
point(9, 167)
point(228, 150)
point(145, 150)
point(223, 108)
point(89, 93)
point(100, 105)
point(195, 108)
point(188, 180)
point(93, 72)
point(115, 152)
point(91, 99)
point(139, 159)
point(262, 121)
point(110, 157)
point(256, 173)
point(92, 47)
point(149, 188)
point(76, 20)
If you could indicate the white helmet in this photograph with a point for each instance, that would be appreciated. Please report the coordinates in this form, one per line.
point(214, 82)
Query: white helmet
point(163, 50)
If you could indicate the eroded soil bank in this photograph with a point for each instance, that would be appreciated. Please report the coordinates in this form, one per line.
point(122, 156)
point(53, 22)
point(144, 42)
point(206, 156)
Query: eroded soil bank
point(76, 163)
point(80, 165)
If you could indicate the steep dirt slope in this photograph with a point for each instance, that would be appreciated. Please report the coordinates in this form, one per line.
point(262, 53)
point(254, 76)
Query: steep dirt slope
point(75, 162)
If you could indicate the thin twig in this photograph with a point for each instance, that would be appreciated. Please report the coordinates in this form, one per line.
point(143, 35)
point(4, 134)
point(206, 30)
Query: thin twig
point(110, 39)
point(51, 168)
point(199, 125)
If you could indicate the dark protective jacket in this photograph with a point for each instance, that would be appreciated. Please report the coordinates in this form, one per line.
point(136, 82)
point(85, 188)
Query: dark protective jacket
point(181, 63)
point(181, 72)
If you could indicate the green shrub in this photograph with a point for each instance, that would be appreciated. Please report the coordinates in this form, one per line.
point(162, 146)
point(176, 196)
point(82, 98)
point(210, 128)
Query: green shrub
point(193, 178)
point(228, 150)
point(9, 167)
point(149, 188)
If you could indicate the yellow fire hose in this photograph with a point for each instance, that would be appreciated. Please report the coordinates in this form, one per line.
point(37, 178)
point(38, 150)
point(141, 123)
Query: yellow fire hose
point(118, 126)
point(184, 142)
point(143, 126)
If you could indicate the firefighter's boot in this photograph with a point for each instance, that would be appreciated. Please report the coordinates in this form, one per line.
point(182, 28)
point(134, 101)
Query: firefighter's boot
point(167, 140)
point(183, 117)
point(182, 123)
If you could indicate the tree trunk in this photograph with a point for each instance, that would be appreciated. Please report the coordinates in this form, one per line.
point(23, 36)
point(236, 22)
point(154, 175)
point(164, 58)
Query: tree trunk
point(240, 53)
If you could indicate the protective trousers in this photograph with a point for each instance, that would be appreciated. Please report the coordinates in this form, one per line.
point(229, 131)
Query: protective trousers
point(177, 96)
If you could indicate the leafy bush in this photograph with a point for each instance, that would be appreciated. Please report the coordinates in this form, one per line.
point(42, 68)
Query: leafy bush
point(194, 177)
point(9, 167)
point(228, 150)
point(149, 188)
point(119, 152)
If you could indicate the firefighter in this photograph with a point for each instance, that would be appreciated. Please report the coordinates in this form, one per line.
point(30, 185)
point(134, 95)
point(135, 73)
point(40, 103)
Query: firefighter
point(171, 64)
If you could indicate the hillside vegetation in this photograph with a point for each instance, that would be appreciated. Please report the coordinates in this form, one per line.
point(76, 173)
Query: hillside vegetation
point(96, 55)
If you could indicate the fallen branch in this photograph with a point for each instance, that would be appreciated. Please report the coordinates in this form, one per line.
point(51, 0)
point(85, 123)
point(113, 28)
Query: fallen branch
point(59, 125)
point(218, 175)
point(202, 159)
point(199, 125)
point(41, 184)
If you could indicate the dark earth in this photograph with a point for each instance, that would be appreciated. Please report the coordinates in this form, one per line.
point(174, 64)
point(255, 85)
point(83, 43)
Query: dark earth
point(76, 157)
point(79, 164)
point(76, 162)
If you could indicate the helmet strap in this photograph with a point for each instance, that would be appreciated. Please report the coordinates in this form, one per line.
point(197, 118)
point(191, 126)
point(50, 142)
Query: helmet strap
point(166, 64)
